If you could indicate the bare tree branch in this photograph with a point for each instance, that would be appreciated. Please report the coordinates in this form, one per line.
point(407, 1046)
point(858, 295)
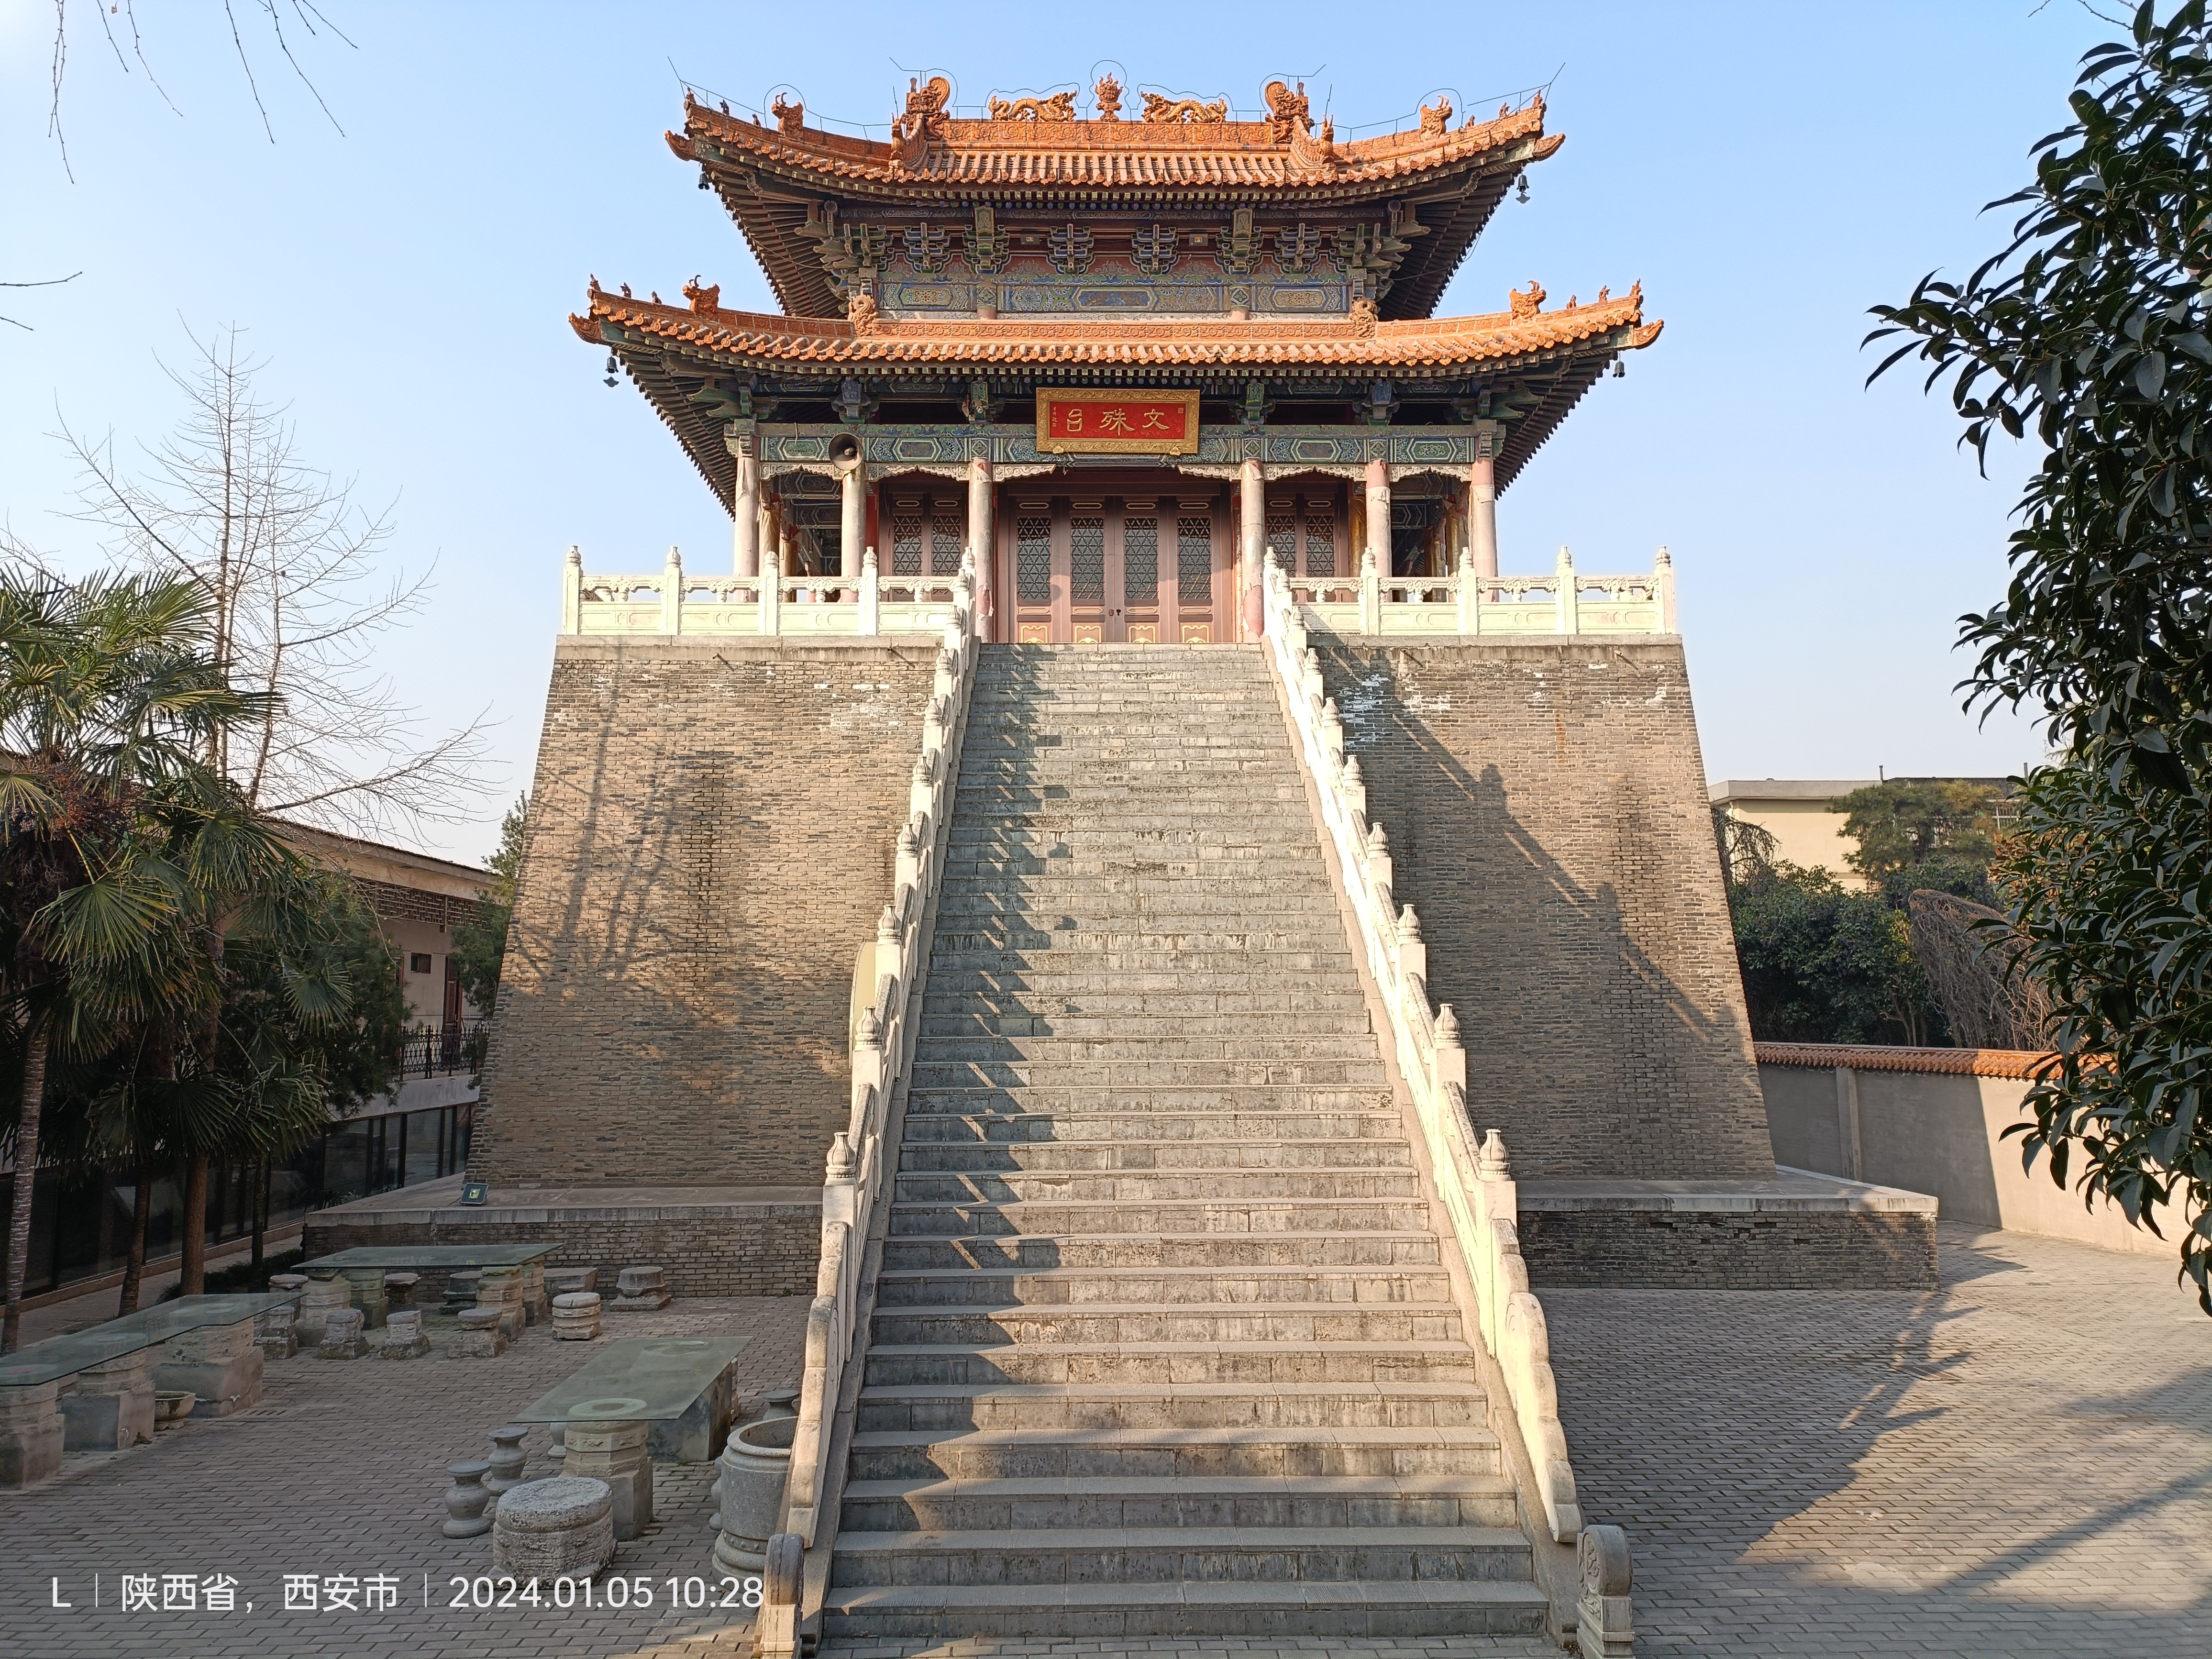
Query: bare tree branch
point(50, 282)
point(291, 565)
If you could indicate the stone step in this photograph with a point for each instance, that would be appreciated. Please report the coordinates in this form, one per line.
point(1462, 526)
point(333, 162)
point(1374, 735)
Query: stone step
point(1135, 1128)
point(1003, 1506)
point(1151, 1188)
point(1272, 1001)
point(996, 1407)
point(1214, 1215)
point(1353, 1608)
point(1096, 961)
point(1146, 1073)
point(995, 1100)
point(1248, 1365)
point(1216, 1040)
point(1183, 1453)
point(1184, 1555)
point(1103, 1156)
point(1304, 1323)
point(1030, 977)
point(1111, 1250)
point(1164, 1288)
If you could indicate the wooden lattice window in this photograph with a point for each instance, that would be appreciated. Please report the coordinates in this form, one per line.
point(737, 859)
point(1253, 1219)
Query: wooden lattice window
point(1320, 542)
point(1033, 560)
point(1086, 569)
point(906, 546)
point(1194, 560)
point(1282, 537)
point(1140, 563)
point(946, 530)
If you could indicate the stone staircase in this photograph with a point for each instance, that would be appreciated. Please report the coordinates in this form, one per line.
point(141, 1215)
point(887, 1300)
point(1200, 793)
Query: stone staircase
point(1161, 1343)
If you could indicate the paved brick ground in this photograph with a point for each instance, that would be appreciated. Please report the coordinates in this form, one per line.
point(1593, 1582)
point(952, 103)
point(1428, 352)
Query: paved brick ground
point(2017, 1464)
point(339, 1470)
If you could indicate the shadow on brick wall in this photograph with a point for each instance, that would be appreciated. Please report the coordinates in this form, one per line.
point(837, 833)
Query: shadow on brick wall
point(1547, 813)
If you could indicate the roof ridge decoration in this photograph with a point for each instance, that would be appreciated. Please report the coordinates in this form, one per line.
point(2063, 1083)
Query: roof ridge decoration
point(927, 141)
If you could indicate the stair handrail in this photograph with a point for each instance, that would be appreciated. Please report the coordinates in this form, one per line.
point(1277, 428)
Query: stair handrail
point(1474, 1183)
point(855, 1177)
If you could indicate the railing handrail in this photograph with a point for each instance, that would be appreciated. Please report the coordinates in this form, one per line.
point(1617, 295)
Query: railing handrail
point(672, 602)
point(855, 1176)
point(1474, 1183)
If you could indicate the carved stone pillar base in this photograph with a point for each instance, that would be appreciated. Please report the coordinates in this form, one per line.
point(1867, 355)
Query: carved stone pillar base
point(614, 1453)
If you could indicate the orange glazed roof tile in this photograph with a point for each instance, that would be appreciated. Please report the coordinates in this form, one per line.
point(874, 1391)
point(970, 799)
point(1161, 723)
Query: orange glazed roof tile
point(1138, 154)
point(2019, 1063)
point(1437, 343)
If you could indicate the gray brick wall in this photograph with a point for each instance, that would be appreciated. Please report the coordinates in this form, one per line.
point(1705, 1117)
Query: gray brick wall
point(1821, 1251)
point(770, 1253)
point(1545, 802)
point(712, 835)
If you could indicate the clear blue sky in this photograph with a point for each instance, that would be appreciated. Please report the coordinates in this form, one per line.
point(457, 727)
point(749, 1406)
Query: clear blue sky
point(1767, 171)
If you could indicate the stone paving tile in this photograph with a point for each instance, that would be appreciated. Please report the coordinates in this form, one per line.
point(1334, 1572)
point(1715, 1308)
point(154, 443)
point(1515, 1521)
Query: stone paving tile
point(339, 1470)
point(2017, 1464)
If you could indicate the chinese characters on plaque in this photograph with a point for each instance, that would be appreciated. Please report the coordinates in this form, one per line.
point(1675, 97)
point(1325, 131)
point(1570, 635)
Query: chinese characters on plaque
point(1081, 421)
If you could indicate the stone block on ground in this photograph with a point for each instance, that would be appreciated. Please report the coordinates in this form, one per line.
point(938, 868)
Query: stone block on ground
point(111, 1406)
point(402, 1334)
point(220, 1366)
point(615, 1453)
point(576, 1316)
point(482, 1336)
point(697, 1436)
point(325, 1292)
point(642, 1290)
point(561, 1528)
point(569, 1281)
point(278, 1332)
point(32, 1433)
point(400, 1289)
point(342, 1335)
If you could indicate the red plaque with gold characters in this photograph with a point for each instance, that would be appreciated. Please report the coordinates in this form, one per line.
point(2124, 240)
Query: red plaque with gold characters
point(1081, 421)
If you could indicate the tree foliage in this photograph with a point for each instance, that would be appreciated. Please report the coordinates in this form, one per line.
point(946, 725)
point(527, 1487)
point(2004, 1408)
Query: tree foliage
point(480, 944)
point(1824, 964)
point(2088, 330)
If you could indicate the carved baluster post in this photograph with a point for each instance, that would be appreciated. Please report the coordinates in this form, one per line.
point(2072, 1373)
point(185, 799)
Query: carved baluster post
point(1470, 595)
point(1663, 590)
point(871, 595)
point(572, 592)
point(1371, 594)
point(671, 593)
point(1569, 599)
point(771, 598)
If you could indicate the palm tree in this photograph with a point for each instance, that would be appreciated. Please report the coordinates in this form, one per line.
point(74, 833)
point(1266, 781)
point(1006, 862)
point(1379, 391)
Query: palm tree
point(113, 834)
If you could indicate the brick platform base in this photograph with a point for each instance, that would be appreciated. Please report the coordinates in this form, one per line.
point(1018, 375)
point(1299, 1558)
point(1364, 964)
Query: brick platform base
point(713, 1241)
point(1800, 1231)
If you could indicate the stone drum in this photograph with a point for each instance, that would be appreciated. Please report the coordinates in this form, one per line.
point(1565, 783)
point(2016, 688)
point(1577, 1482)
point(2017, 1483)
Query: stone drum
point(481, 1335)
point(576, 1316)
point(563, 1528)
point(402, 1334)
point(754, 1465)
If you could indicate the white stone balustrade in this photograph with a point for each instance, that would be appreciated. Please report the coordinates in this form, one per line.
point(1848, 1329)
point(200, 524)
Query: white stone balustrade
point(1506, 607)
point(1474, 1184)
point(672, 603)
point(882, 1048)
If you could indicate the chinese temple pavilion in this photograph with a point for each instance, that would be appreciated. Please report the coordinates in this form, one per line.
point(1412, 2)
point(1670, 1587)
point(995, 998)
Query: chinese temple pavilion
point(1120, 352)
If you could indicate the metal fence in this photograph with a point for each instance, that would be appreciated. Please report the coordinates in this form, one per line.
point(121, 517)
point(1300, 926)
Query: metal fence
point(443, 1050)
